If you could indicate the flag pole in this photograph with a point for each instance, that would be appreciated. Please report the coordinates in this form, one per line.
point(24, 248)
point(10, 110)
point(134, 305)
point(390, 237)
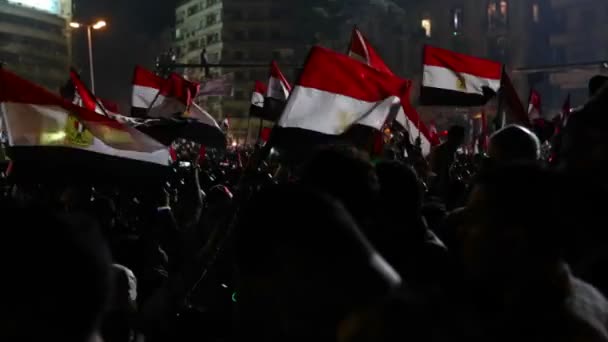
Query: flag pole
point(260, 129)
point(248, 131)
point(500, 114)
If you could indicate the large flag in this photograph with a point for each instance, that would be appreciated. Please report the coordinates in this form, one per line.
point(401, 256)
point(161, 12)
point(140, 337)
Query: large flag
point(276, 94)
point(154, 96)
point(361, 50)
point(257, 100)
point(455, 79)
point(34, 119)
point(335, 92)
point(219, 86)
point(534, 106)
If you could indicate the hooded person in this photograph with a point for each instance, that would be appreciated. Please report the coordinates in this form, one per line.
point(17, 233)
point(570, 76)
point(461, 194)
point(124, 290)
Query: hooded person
point(305, 267)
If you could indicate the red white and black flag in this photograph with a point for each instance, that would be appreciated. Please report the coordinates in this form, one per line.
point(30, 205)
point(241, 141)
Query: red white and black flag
point(534, 106)
point(276, 94)
point(40, 125)
point(257, 100)
point(455, 79)
point(361, 50)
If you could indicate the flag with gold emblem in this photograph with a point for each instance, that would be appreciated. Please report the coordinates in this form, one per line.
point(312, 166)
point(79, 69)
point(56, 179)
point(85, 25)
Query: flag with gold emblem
point(455, 79)
point(34, 117)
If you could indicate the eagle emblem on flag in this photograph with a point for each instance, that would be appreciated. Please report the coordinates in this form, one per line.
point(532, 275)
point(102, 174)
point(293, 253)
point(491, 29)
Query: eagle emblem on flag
point(77, 134)
point(461, 84)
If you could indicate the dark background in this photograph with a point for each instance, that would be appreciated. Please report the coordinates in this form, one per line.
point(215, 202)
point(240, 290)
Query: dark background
point(137, 32)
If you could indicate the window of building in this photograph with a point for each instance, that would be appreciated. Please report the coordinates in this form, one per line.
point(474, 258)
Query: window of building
point(211, 19)
point(193, 9)
point(239, 55)
point(256, 35)
point(535, 13)
point(193, 45)
point(498, 14)
point(457, 20)
point(239, 35)
point(275, 34)
point(426, 26)
point(212, 2)
point(213, 38)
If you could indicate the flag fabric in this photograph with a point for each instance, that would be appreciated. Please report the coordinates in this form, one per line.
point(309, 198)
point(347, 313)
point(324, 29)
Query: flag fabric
point(534, 106)
point(512, 103)
point(35, 118)
point(154, 96)
point(454, 79)
point(265, 134)
point(335, 92)
point(361, 50)
point(257, 100)
point(219, 86)
point(277, 92)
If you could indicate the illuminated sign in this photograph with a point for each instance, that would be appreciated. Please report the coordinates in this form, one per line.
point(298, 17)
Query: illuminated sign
point(51, 6)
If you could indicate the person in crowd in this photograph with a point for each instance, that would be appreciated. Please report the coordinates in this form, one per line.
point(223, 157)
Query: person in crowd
point(443, 157)
point(346, 174)
point(403, 236)
point(584, 159)
point(517, 285)
point(304, 268)
point(596, 83)
point(514, 143)
point(119, 321)
point(57, 277)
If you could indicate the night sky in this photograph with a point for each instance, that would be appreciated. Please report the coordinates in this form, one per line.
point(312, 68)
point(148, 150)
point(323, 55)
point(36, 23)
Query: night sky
point(137, 32)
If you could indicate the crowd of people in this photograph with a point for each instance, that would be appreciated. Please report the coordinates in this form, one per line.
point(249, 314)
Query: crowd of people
point(508, 247)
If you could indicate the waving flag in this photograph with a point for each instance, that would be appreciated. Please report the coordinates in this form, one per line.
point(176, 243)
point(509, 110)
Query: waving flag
point(155, 96)
point(35, 118)
point(361, 50)
point(534, 106)
point(276, 94)
point(257, 100)
point(455, 79)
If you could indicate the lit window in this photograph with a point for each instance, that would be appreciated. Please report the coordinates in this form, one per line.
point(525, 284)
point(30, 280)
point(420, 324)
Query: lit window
point(457, 20)
point(426, 25)
point(535, 13)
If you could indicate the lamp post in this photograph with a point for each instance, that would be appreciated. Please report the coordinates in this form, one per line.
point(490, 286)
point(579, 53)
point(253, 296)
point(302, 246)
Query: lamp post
point(90, 27)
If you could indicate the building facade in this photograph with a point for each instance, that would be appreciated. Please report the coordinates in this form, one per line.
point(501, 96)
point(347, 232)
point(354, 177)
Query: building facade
point(235, 32)
point(35, 40)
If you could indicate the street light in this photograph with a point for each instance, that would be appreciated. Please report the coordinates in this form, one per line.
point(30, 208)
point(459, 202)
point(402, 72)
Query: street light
point(95, 26)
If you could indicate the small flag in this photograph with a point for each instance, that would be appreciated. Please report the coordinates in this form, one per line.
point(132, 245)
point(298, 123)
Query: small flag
point(534, 106)
point(154, 96)
point(257, 100)
point(455, 79)
point(276, 94)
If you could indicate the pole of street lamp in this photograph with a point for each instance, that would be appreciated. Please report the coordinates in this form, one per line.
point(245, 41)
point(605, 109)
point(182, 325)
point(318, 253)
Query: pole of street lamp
point(90, 40)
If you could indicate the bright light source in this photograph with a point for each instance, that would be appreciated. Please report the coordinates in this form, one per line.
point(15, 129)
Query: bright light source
point(234, 144)
point(100, 24)
point(426, 25)
point(75, 25)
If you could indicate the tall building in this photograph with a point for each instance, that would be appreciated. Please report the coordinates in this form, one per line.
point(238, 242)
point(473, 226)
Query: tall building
point(578, 37)
point(35, 41)
point(236, 31)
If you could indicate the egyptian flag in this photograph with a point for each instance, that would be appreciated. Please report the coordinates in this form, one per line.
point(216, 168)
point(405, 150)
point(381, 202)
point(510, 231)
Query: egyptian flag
point(361, 50)
point(336, 93)
point(534, 106)
point(154, 96)
point(276, 94)
point(257, 100)
point(46, 131)
point(454, 79)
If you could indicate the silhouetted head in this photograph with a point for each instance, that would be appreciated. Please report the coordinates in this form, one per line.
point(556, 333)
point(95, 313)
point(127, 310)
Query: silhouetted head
point(346, 174)
point(56, 277)
point(514, 143)
point(513, 224)
point(304, 265)
point(596, 84)
point(584, 145)
point(456, 135)
point(401, 191)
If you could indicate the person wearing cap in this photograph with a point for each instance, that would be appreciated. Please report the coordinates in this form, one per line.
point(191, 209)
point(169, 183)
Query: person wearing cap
point(514, 143)
point(304, 267)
